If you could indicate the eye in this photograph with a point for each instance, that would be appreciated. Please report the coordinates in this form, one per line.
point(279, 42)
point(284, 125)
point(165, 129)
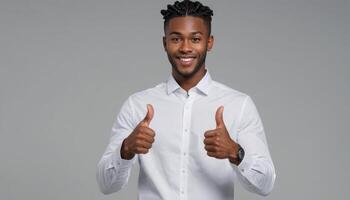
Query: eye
point(175, 39)
point(196, 40)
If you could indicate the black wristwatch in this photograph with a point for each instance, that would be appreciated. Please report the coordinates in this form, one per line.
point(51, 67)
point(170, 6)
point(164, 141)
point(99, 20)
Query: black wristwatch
point(240, 154)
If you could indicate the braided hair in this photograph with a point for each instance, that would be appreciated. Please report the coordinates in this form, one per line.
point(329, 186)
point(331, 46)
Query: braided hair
point(188, 8)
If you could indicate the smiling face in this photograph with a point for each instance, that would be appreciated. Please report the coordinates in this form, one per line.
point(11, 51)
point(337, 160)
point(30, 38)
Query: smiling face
point(186, 43)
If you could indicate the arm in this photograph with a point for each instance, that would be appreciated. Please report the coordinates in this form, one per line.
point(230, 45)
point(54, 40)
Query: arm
point(256, 171)
point(112, 171)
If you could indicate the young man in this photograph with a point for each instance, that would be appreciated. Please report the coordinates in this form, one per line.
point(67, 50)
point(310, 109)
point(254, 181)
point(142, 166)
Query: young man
point(192, 136)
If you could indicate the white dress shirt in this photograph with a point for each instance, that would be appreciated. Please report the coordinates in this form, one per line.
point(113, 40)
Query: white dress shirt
point(177, 166)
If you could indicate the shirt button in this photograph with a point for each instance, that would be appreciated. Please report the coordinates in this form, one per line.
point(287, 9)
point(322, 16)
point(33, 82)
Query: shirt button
point(186, 130)
point(184, 153)
point(183, 171)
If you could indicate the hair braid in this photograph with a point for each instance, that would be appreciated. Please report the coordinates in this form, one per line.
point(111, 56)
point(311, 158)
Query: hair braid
point(188, 8)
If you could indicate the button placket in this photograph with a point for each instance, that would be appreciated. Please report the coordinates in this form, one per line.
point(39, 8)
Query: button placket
point(185, 135)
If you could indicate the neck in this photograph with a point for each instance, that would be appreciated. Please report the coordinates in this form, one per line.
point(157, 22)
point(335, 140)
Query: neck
point(187, 83)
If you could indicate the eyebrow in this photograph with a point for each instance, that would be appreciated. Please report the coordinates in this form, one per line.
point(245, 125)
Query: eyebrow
point(178, 33)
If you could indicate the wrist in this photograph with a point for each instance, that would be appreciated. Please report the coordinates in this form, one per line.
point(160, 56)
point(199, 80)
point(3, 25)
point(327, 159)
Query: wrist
point(240, 154)
point(237, 154)
point(125, 153)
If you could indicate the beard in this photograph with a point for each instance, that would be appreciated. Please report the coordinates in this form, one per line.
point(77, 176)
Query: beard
point(186, 75)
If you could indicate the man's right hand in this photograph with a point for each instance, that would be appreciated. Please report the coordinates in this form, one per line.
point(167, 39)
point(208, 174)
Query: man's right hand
point(141, 138)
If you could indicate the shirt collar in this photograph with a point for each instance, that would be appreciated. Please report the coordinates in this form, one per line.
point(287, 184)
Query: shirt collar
point(202, 85)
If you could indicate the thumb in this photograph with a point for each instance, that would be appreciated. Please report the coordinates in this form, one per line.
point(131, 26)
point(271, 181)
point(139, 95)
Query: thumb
point(219, 117)
point(149, 116)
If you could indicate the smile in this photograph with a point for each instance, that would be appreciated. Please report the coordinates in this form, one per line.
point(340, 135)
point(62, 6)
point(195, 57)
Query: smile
point(186, 60)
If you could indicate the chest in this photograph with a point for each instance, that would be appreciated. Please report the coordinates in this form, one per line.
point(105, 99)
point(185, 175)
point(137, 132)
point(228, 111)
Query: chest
point(181, 124)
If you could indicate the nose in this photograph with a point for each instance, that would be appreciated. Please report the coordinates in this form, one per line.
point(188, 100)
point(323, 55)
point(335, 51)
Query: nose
point(185, 47)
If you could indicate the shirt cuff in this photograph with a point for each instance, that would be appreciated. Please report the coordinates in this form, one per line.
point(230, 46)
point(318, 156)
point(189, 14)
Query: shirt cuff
point(118, 162)
point(246, 164)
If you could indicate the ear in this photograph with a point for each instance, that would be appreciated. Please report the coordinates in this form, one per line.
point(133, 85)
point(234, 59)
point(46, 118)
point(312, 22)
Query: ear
point(210, 42)
point(164, 43)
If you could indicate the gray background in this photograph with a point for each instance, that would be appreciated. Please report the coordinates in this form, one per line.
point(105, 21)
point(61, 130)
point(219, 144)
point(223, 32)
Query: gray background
point(67, 66)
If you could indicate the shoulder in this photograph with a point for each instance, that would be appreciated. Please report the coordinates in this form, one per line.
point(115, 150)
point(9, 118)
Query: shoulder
point(148, 93)
point(246, 105)
point(226, 91)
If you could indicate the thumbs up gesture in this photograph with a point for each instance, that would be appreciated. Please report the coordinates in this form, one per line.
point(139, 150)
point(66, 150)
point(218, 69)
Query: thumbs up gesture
point(218, 143)
point(141, 138)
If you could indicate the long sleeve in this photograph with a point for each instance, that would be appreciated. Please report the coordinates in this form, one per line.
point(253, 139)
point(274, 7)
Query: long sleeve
point(256, 172)
point(113, 172)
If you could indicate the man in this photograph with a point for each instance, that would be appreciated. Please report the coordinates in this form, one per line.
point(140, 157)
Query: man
point(192, 136)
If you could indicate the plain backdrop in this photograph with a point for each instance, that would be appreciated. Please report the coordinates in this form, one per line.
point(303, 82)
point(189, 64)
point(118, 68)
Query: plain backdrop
point(66, 67)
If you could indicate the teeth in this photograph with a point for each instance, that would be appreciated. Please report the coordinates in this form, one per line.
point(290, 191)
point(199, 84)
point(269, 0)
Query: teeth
point(186, 59)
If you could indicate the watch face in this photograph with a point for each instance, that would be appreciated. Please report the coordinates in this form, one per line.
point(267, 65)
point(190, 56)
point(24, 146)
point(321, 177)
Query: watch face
point(240, 153)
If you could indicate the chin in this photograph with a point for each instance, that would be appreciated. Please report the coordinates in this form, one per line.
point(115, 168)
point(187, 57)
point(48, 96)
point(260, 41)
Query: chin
point(185, 72)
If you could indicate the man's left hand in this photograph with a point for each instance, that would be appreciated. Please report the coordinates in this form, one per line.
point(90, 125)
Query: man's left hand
point(218, 142)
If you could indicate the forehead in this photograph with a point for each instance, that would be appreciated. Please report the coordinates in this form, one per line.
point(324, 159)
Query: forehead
point(186, 24)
